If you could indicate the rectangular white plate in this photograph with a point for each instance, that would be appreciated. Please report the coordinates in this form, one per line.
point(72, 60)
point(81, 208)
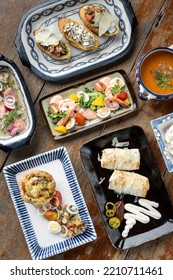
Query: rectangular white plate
point(42, 243)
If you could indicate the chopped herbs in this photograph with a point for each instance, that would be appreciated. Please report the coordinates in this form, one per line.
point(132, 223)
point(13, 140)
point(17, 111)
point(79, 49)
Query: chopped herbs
point(163, 75)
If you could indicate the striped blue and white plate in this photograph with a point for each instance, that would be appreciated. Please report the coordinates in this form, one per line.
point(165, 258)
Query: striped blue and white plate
point(42, 243)
point(160, 126)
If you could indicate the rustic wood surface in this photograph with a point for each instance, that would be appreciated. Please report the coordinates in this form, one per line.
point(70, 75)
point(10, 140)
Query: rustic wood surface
point(154, 29)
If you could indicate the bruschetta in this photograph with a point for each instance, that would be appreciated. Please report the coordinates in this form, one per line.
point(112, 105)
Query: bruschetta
point(78, 35)
point(99, 21)
point(51, 44)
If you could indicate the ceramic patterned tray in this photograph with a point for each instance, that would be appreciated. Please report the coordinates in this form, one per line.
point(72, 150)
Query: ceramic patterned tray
point(47, 14)
point(45, 102)
point(160, 126)
point(42, 243)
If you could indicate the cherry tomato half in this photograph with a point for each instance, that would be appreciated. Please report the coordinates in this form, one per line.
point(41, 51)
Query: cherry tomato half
point(99, 86)
point(79, 118)
point(114, 222)
point(122, 95)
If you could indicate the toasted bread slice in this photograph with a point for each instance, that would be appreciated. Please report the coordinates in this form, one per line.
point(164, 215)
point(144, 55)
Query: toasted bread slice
point(87, 15)
point(65, 26)
point(59, 51)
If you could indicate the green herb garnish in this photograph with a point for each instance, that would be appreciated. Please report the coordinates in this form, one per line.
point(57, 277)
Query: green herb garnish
point(56, 117)
point(163, 80)
point(10, 118)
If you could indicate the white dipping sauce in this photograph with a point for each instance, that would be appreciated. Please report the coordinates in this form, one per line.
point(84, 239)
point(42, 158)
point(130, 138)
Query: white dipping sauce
point(169, 139)
point(140, 214)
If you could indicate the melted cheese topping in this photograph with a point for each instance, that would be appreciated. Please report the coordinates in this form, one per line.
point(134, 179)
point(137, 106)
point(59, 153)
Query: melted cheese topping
point(46, 37)
point(105, 22)
point(79, 34)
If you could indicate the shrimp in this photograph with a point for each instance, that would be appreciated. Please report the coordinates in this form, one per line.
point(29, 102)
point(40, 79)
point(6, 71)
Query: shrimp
point(111, 104)
point(66, 104)
point(65, 119)
point(105, 80)
point(90, 114)
point(111, 98)
point(55, 99)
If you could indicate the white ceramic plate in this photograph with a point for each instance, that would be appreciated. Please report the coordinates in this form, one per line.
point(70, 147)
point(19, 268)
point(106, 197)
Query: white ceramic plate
point(42, 243)
point(47, 14)
point(160, 126)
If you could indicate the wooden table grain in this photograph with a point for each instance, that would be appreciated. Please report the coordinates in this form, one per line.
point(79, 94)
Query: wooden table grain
point(154, 29)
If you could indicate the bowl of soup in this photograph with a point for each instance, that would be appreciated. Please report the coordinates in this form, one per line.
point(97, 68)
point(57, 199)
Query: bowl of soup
point(17, 115)
point(154, 74)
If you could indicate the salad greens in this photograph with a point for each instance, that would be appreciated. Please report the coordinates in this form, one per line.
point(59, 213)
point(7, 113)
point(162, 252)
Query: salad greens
point(92, 94)
point(56, 117)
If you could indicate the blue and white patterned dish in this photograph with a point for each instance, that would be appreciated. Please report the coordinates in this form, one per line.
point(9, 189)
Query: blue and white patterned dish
point(110, 50)
point(8, 144)
point(160, 126)
point(42, 243)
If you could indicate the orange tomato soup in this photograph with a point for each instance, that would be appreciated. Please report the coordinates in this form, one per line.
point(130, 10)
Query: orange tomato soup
point(150, 64)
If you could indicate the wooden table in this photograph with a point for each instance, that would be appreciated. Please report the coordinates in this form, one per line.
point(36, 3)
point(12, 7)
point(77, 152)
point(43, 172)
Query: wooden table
point(154, 29)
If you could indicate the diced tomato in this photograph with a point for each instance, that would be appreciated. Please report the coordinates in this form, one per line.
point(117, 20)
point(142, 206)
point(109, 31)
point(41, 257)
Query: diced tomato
point(122, 95)
point(89, 17)
point(99, 86)
point(79, 118)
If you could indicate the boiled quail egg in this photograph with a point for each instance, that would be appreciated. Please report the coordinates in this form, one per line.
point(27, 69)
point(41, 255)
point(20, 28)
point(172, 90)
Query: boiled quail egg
point(54, 227)
point(103, 113)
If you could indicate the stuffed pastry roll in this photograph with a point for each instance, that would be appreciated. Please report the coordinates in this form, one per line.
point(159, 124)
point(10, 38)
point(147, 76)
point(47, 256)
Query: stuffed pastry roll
point(121, 159)
point(124, 182)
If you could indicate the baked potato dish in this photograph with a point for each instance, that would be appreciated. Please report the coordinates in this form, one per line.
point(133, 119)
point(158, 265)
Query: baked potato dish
point(37, 187)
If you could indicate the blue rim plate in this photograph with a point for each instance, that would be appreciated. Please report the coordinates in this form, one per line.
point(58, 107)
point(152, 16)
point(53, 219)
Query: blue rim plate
point(9, 143)
point(41, 243)
point(47, 14)
point(159, 126)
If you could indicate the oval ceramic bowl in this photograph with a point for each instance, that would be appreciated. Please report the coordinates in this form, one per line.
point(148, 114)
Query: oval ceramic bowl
point(47, 14)
point(8, 143)
point(144, 92)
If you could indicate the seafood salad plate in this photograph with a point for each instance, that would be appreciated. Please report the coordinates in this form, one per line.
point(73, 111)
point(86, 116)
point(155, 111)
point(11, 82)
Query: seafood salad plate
point(47, 44)
point(131, 195)
point(163, 131)
point(49, 203)
point(88, 104)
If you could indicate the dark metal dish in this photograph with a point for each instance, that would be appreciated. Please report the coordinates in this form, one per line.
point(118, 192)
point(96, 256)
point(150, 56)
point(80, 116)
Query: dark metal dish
point(8, 141)
point(44, 103)
point(140, 233)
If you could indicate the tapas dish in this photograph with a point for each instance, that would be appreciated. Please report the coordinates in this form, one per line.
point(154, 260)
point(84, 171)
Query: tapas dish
point(70, 46)
point(134, 204)
point(49, 204)
point(162, 129)
point(87, 105)
point(17, 115)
